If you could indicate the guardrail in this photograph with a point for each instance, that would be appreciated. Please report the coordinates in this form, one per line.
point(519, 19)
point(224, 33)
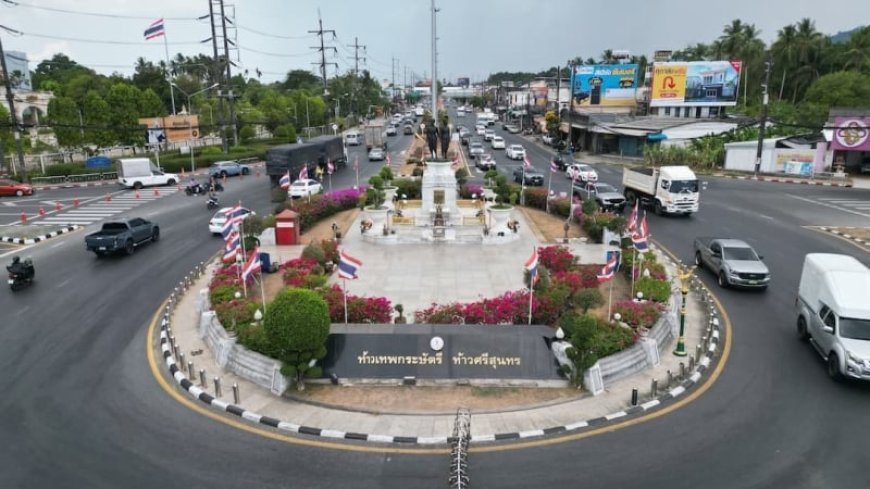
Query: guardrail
point(84, 177)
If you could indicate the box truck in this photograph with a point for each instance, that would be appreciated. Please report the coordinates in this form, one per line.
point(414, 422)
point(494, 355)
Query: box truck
point(666, 189)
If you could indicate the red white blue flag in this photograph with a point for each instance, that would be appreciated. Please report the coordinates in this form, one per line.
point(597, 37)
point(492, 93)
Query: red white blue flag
point(553, 166)
point(252, 266)
point(348, 266)
point(155, 30)
point(531, 265)
point(284, 183)
point(303, 173)
point(232, 247)
point(330, 167)
point(526, 163)
point(640, 237)
point(632, 218)
point(610, 268)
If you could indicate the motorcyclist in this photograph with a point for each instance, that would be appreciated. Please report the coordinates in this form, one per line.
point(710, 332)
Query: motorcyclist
point(194, 186)
point(24, 269)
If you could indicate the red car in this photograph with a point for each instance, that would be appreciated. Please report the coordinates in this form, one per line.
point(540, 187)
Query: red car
point(11, 187)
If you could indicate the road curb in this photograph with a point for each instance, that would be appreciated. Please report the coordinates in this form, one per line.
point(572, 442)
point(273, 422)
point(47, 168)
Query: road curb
point(200, 394)
point(38, 239)
point(844, 235)
point(784, 180)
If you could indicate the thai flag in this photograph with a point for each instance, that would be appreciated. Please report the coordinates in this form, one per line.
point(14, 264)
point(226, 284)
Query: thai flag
point(553, 166)
point(632, 218)
point(155, 30)
point(329, 167)
point(356, 163)
point(610, 268)
point(228, 228)
point(252, 266)
point(284, 183)
point(232, 247)
point(389, 161)
point(236, 214)
point(531, 266)
point(348, 266)
point(303, 173)
point(526, 163)
point(640, 236)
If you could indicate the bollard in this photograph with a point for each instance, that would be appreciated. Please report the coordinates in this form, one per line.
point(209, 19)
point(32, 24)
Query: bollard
point(175, 351)
point(634, 397)
point(171, 338)
point(217, 387)
point(682, 371)
point(181, 361)
point(670, 379)
point(190, 369)
point(691, 363)
point(202, 378)
point(236, 397)
point(654, 388)
point(698, 351)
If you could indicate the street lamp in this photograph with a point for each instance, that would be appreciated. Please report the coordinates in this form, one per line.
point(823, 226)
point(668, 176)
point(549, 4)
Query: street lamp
point(190, 96)
point(684, 274)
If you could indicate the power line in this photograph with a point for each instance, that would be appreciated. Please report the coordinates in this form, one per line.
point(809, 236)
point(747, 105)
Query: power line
point(103, 41)
point(322, 49)
point(11, 3)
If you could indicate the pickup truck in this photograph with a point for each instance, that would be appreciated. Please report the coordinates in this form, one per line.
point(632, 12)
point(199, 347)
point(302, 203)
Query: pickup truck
point(733, 261)
point(606, 196)
point(122, 236)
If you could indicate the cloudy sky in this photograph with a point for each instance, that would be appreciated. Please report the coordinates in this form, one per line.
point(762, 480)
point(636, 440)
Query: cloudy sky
point(477, 37)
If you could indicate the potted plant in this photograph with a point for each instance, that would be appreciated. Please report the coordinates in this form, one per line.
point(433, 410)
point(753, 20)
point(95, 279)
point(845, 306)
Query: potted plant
point(500, 215)
point(375, 197)
point(389, 189)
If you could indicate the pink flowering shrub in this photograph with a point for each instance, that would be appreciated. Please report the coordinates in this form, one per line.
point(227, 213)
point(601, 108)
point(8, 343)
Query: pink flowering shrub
point(638, 313)
point(297, 270)
point(359, 309)
point(555, 258)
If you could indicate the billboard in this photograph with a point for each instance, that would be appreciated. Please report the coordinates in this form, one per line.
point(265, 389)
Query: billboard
point(851, 134)
point(604, 85)
point(463, 81)
point(171, 128)
point(695, 83)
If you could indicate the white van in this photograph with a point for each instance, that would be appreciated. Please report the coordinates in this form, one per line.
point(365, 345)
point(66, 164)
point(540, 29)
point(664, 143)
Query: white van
point(833, 312)
point(353, 139)
point(141, 172)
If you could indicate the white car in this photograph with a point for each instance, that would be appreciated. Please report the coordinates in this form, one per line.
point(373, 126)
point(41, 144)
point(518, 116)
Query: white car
point(497, 142)
point(304, 188)
point(515, 152)
point(216, 224)
point(488, 134)
point(583, 173)
point(480, 129)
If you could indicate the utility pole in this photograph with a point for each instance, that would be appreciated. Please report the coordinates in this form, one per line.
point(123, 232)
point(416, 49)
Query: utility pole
point(356, 47)
point(10, 99)
point(218, 74)
point(570, 103)
point(322, 50)
point(767, 66)
point(434, 66)
point(229, 77)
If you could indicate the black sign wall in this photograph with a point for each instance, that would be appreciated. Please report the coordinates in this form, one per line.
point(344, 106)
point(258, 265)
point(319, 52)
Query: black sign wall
point(441, 352)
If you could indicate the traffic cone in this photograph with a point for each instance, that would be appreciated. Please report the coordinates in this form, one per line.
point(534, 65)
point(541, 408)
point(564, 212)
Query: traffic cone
point(108, 197)
point(137, 194)
point(57, 205)
point(178, 187)
point(76, 202)
point(156, 192)
point(41, 211)
point(182, 173)
point(257, 173)
point(23, 217)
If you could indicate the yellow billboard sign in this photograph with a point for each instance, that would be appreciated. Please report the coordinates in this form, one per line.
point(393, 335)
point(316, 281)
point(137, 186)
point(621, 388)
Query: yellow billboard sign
point(669, 82)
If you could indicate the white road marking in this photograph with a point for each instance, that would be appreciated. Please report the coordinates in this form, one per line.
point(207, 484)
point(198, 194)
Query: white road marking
point(830, 206)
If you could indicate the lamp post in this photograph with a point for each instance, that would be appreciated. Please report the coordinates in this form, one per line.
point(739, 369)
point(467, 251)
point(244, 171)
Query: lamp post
point(684, 274)
point(190, 96)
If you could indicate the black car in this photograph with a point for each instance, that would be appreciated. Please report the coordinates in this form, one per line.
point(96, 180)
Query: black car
point(562, 163)
point(532, 176)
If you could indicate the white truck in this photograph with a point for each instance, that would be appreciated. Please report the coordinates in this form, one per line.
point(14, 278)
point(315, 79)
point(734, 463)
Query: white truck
point(666, 189)
point(833, 313)
point(140, 172)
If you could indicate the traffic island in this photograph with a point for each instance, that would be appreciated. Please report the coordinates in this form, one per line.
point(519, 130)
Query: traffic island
point(31, 234)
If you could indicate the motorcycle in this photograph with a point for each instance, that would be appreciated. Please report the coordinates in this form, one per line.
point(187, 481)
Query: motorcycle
point(194, 189)
point(20, 274)
point(212, 203)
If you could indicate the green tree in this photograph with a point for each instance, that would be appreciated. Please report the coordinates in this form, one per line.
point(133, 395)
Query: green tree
point(297, 325)
point(841, 89)
point(97, 119)
point(301, 79)
point(63, 117)
point(150, 104)
point(6, 130)
point(124, 116)
point(581, 331)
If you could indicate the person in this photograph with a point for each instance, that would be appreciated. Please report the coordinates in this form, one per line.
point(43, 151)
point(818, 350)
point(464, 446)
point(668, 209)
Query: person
point(19, 268)
point(194, 185)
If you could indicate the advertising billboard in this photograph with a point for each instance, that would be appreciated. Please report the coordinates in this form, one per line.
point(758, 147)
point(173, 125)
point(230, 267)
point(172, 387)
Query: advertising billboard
point(171, 128)
point(694, 83)
point(851, 134)
point(604, 85)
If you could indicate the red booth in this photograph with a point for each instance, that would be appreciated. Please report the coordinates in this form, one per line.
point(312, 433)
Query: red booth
point(287, 228)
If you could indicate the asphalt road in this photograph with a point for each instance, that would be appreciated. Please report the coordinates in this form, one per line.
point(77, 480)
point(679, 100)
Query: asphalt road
point(81, 409)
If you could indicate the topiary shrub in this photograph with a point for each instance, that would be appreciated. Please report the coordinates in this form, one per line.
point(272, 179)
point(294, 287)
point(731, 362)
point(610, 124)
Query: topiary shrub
point(297, 325)
point(653, 289)
point(314, 251)
point(279, 195)
point(588, 298)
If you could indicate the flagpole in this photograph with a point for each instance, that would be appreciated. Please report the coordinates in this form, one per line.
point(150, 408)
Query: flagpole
point(330, 181)
point(633, 265)
point(356, 167)
point(549, 183)
point(262, 291)
point(610, 296)
point(532, 286)
point(168, 73)
point(344, 287)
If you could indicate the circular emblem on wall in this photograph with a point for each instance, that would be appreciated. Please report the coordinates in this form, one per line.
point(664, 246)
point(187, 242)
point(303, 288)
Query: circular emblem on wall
point(852, 133)
point(436, 343)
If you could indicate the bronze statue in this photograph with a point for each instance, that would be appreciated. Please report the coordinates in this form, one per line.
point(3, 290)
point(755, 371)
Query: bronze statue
point(444, 133)
point(432, 139)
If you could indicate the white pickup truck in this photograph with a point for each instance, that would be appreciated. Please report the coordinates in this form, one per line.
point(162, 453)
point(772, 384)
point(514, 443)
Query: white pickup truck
point(667, 189)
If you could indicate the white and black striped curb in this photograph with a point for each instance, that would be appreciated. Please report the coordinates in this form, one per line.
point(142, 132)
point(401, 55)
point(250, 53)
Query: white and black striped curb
point(37, 239)
point(848, 236)
point(170, 350)
point(800, 181)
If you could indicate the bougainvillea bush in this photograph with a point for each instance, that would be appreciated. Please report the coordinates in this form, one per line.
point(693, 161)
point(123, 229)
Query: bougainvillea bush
point(359, 309)
point(555, 258)
point(322, 206)
point(644, 314)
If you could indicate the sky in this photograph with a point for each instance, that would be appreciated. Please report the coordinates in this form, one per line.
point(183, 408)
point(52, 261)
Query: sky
point(476, 37)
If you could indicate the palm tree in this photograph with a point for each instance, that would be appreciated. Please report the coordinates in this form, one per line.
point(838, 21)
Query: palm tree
point(733, 37)
point(607, 56)
point(783, 50)
point(807, 40)
point(856, 56)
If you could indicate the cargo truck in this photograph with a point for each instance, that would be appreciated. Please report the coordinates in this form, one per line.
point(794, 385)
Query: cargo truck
point(374, 135)
point(665, 189)
point(315, 152)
